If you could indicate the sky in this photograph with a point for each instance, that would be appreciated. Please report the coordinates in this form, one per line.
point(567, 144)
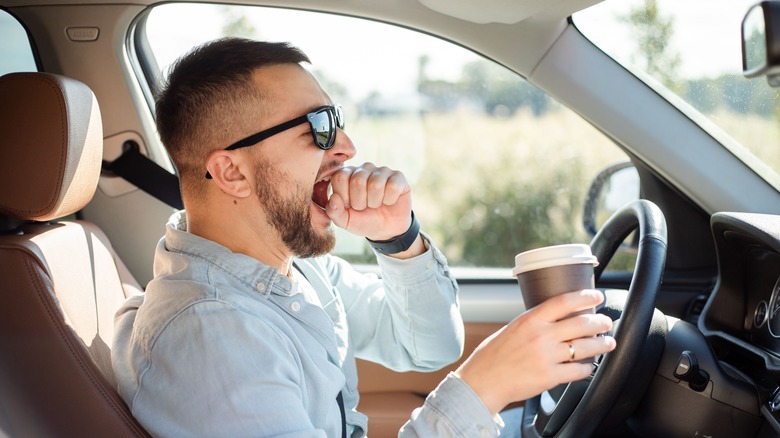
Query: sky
point(360, 60)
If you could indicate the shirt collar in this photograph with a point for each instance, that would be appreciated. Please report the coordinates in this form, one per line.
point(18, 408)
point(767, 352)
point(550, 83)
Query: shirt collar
point(256, 275)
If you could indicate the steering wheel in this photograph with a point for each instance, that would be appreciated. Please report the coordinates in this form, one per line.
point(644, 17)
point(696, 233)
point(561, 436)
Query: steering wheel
point(582, 406)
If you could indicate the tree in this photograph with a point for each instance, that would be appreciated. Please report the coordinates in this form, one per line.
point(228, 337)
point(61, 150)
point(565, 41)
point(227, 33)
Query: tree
point(539, 205)
point(501, 91)
point(654, 34)
point(236, 24)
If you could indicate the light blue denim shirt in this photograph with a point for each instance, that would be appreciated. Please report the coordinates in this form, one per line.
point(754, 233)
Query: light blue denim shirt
point(222, 345)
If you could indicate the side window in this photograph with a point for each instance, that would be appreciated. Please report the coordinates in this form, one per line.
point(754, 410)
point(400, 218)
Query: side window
point(496, 165)
point(16, 53)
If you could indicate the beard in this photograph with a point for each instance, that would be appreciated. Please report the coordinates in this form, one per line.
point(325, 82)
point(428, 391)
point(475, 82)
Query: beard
point(289, 212)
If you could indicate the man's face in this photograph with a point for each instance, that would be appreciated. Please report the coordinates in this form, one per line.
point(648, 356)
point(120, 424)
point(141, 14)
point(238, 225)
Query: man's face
point(291, 172)
point(287, 205)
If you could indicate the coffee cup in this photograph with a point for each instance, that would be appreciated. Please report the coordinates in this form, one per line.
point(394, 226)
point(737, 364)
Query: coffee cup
point(546, 272)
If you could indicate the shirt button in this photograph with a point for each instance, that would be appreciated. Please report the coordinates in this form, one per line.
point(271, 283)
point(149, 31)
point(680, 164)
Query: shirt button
point(260, 286)
point(296, 306)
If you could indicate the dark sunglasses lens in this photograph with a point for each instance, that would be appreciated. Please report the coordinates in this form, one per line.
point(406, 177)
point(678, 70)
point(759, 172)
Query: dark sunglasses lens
point(323, 128)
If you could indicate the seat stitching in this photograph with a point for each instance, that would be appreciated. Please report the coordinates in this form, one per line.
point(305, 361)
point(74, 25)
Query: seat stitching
point(43, 295)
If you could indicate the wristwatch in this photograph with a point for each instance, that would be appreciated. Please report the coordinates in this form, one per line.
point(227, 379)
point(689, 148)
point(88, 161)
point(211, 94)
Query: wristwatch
point(398, 243)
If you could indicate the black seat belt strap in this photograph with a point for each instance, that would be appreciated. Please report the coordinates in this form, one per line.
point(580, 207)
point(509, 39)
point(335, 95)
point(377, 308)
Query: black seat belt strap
point(340, 400)
point(145, 174)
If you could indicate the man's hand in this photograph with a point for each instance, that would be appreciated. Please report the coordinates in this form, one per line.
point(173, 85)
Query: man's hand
point(369, 201)
point(531, 354)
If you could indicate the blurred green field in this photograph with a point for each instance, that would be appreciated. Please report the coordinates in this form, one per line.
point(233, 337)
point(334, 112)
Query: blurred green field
point(486, 188)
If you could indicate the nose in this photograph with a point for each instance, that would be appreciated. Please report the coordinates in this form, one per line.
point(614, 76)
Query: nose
point(343, 149)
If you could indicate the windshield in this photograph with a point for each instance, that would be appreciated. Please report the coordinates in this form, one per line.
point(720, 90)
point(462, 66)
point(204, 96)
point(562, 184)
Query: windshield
point(691, 51)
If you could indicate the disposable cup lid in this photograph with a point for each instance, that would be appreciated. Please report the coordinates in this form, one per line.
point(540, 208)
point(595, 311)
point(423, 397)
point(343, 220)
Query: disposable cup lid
point(550, 256)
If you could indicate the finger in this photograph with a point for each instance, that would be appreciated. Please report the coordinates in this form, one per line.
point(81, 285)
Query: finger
point(358, 182)
point(339, 184)
point(580, 326)
point(376, 187)
point(337, 211)
point(560, 306)
point(585, 348)
point(572, 371)
point(396, 186)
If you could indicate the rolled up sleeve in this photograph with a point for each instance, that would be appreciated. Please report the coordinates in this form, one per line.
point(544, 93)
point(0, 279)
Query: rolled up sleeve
point(409, 319)
point(453, 409)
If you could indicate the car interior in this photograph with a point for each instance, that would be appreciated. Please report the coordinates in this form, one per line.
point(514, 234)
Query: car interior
point(64, 278)
point(697, 307)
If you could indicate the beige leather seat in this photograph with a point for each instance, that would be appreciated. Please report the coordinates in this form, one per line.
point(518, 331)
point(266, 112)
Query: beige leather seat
point(60, 280)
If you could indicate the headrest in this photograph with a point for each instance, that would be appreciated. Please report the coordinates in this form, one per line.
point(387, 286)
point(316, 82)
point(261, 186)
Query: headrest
point(51, 146)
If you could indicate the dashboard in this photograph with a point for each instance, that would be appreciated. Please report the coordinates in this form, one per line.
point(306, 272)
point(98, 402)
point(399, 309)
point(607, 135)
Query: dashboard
point(741, 320)
point(762, 287)
point(743, 313)
point(721, 375)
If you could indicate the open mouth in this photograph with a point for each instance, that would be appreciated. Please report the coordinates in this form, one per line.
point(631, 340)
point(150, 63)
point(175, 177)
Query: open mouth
point(321, 192)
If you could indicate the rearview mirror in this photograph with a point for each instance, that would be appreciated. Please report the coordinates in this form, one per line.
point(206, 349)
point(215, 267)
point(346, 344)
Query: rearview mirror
point(761, 42)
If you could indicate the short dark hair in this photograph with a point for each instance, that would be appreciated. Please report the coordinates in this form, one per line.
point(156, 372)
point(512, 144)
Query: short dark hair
point(206, 95)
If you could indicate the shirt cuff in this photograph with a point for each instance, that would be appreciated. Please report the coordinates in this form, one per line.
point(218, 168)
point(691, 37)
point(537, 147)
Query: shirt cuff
point(463, 410)
point(414, 267)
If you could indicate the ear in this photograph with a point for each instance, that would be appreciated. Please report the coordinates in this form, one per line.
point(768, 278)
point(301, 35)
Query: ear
point(229, 171)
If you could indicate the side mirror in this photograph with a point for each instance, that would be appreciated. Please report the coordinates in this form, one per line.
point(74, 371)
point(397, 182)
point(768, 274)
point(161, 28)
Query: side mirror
point(611, 189)
point(761, 42)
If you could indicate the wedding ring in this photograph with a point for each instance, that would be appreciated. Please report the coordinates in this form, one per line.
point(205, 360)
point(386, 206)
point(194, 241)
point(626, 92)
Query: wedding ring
point(571, 351)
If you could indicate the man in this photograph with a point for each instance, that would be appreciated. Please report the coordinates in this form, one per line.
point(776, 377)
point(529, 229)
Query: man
point(249, 329)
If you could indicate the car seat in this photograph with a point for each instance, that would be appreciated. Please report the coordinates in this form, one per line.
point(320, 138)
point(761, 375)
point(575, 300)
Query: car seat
point(60, 280)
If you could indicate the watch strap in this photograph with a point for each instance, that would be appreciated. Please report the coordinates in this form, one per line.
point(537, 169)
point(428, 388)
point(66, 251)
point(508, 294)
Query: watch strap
point(398, 243)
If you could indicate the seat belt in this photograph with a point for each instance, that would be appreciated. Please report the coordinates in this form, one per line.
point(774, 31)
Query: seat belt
point(340, 401)
point(145, 174)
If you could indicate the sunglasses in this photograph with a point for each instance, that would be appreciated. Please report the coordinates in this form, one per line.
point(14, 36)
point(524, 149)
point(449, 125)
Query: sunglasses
point(323, 122)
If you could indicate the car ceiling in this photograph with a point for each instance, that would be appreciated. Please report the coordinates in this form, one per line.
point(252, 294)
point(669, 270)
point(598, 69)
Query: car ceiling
point(520, 30)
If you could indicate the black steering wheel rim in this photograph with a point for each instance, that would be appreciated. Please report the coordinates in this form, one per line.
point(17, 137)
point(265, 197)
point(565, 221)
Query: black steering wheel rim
point(630, 333)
